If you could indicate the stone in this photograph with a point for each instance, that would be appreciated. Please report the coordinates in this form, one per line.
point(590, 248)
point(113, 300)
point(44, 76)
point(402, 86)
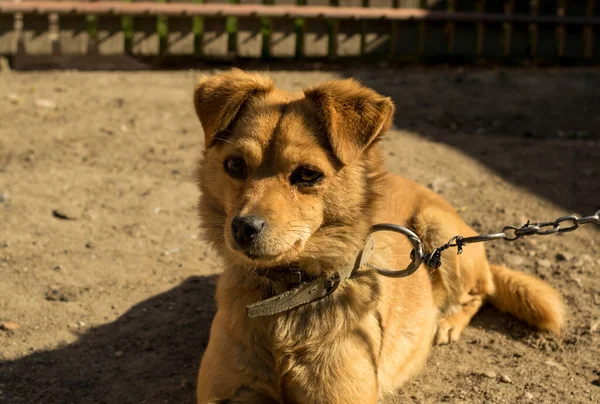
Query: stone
point(555, 365)
point(48, 104)
point(544, 263)
point(564, 256)
point(513, 260)
point(61, 294)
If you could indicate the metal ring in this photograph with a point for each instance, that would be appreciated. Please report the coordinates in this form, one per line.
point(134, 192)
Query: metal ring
point(508, 237)
point(555, 228)
point(587, 219)
point(573, 219)
point(416, 254)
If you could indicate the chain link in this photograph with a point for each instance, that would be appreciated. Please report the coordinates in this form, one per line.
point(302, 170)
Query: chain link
point(511, 233)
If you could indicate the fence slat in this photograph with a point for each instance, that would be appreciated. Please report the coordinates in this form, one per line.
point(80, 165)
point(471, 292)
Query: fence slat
point(349, 33)
point(433, 33)
point(519, 33)
point(316, 33)
point(215, 38)
point(407, 33)
point(249, 34)
point(36, 36)
point(574, 46)
point(72, 34)
point(249, 37)
point(588, 31)
point(377, 34)
point(8, 35)
point(480, 30)
point(468, 37)
point(110, 37)
point(494, 35)
point(561, 33)
point(546, 34)
point(284, 37)
point(180, 39)
point(595, 47)
point(145, 36)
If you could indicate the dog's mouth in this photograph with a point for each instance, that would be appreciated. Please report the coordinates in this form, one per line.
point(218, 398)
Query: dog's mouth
point(255, 255)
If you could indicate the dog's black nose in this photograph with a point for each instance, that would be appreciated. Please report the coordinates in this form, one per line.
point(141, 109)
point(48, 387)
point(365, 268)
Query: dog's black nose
point(246, 228)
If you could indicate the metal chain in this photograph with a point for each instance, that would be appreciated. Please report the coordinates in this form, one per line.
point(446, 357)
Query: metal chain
point(512, 233)
point(433, 260)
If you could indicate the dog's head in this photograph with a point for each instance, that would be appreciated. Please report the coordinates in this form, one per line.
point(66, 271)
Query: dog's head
point(286, 176)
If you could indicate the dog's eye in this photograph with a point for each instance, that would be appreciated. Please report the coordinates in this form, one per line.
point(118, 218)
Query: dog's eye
point(236, 167)
point(305, 176)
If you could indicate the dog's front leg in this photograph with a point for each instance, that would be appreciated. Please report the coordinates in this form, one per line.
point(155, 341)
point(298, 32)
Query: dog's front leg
point(245, 395)
point(341, 373)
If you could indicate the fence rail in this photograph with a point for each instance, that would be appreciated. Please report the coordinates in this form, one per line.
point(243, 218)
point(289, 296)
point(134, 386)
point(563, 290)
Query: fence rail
point(535, 30)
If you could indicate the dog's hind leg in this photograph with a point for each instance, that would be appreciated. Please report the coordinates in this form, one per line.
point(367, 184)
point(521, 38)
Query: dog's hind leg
point(454, 321)
point(462, 282)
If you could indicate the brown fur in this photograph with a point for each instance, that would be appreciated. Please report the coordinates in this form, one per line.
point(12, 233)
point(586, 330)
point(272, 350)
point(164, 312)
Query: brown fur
point(373, 333)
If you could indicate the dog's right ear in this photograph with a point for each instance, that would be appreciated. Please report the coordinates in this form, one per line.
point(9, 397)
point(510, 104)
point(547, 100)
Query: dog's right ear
point(218, 99)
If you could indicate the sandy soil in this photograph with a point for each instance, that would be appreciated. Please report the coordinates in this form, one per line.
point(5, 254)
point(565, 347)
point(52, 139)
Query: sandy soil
point(106, 292)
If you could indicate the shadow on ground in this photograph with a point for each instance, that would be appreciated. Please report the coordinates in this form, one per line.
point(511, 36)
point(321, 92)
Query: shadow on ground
point(161, 339)
point(538, 130)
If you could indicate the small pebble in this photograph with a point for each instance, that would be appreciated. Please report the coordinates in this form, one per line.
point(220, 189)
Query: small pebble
point(553, 364)
point(14, 99)
point(513, 260)
point(4, 65)
point(49, 104)
point(81, 323)
point(63, 214)
point(564, 256)
point(490, 374)
point(587, 258)
point(505, 379)
point(61, 294)
point(119, 354)
point(544, 263)
point(171, 251)
point(528, 396)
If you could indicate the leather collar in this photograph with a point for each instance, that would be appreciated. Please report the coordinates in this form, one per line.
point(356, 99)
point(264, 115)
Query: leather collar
point(305, 291)
point(291, 288)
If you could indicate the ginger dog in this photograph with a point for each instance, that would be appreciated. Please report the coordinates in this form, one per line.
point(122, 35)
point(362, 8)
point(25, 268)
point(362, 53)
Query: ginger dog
point(297, 179)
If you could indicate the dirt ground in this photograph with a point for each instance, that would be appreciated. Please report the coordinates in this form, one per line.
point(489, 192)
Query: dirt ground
point(106, 291)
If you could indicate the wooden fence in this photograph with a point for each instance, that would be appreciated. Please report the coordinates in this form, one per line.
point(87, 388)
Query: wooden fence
point(368, 30)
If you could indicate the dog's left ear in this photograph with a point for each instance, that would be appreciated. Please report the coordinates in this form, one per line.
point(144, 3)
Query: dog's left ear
point(352, 116)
